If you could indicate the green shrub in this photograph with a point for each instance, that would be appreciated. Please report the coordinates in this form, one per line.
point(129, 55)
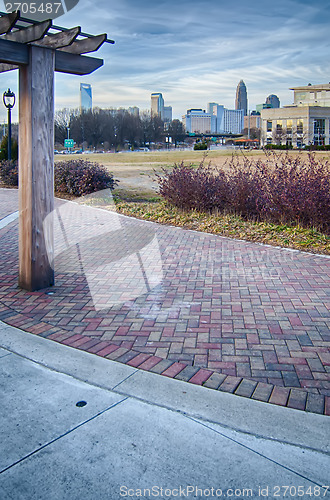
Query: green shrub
point(325, 147)
point(4, 149)
point(278, 146)
point(80, 177)
point(200, 146)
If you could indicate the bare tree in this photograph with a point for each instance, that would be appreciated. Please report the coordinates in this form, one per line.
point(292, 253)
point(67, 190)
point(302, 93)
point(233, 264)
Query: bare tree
point(62, 122)
point(176, 131)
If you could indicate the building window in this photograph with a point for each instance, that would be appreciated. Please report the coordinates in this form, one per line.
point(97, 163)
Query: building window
point(300, 127)
point(289, 126)
point(269, 140)
point(318, 140)
point(279, 126)
point(269, 126)
point(319, 131)
point(319, 127)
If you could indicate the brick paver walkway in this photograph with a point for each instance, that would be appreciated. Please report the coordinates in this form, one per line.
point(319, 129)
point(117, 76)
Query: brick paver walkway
point(231, 315)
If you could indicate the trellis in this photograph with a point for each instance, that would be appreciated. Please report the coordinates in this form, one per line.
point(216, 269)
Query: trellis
point(37, 49)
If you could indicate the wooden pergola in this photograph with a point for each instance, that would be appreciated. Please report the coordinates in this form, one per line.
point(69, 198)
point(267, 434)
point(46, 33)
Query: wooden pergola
point(37, 49)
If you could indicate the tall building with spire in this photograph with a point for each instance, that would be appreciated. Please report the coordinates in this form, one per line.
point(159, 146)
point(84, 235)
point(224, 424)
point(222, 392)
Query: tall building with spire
point(241, 97)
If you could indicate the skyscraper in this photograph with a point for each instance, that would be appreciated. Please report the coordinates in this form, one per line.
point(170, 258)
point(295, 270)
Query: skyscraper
point(273, 100)
point(157, 105)
point(85, 97)
point(167, 117)
point(241, 97)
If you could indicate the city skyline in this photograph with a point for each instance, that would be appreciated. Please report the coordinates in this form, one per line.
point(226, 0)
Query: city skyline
point(196, 52)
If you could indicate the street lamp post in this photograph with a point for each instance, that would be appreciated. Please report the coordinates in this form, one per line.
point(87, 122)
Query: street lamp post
point(68, 128)
point(9, 102)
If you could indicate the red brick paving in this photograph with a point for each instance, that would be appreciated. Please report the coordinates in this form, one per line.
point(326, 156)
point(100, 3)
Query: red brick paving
point(230, 315)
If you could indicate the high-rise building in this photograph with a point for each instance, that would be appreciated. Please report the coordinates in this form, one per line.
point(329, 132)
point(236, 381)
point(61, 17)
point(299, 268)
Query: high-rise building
point(273, 101)
point(241, 97)
point(197, 121)
point(86, 103)
point(228, 121)
point(158, 107)
point(218, 120)
point(210, 107)
point(167, 114)
point(134, 110)
point(157, 104)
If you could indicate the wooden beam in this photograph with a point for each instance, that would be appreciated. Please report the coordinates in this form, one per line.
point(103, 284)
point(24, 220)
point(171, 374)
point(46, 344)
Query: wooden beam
point(36, 170)
point(57, 40)
point(86, 45)
point(8, 21)
point(7, 67)
point(76, 65)
point(13, 52)
point(18, 54)
point(34, 32)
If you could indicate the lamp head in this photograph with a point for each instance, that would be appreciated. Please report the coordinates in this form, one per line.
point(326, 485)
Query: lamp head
point(9, 99)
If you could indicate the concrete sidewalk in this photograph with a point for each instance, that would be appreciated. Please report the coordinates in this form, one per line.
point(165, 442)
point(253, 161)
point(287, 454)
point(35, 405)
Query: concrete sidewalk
point(139, 430)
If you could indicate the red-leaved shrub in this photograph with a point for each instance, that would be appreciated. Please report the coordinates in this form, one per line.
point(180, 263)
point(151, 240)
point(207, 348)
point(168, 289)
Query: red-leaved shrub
point(280, 187)
point(9, 172)
point(80, 177)
point(189, 188)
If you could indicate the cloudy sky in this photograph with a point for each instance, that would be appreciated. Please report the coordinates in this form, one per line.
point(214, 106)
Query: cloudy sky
point(196, 51)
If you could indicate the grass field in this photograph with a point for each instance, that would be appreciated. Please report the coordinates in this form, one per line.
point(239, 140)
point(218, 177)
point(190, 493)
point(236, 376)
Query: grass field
point(152, 159)
point(148, 161)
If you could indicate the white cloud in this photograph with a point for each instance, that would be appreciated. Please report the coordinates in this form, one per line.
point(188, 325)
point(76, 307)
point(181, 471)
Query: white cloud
point(195, 52)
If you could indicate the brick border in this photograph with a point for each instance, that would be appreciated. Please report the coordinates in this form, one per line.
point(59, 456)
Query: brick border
point(294, 398)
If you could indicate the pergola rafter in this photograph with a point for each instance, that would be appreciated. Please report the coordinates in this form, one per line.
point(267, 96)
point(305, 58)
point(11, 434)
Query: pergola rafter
point(37, 49)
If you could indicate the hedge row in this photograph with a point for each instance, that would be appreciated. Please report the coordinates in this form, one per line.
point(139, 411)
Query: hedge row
point(279, 188)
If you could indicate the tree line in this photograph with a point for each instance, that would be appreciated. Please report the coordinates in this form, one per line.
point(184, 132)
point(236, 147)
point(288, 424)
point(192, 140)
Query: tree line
point(112, 129)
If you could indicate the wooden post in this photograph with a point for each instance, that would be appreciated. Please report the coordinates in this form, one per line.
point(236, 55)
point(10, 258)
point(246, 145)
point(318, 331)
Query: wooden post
point(36, 64)
point(36, 169)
